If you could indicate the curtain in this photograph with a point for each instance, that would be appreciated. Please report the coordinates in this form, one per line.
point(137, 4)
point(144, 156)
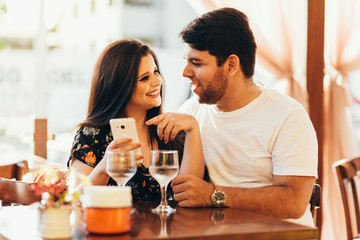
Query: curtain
point(279, 27)
point(342, 55)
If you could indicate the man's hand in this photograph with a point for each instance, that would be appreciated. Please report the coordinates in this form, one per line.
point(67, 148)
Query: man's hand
point(192, 191)
point(169, 124)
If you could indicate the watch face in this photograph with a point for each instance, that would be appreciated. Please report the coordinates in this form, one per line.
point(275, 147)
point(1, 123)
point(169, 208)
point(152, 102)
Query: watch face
point(218, 198)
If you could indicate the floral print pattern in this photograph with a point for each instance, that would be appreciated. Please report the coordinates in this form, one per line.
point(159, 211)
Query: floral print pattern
point(89, 147)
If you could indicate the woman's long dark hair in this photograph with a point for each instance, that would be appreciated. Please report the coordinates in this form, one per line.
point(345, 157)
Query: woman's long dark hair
point(113, 83)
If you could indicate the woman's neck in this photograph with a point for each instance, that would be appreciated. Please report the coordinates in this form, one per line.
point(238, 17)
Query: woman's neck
point(139, 116)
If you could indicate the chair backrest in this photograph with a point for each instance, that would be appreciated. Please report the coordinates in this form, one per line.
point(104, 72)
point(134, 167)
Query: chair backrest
point(17, 192)
point(40, 137)
point(346, 172)
point(12, 170)
point(15, 170)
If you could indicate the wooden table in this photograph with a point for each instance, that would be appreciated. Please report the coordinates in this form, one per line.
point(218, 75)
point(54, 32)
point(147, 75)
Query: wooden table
point(35, 162)
point(21, 222)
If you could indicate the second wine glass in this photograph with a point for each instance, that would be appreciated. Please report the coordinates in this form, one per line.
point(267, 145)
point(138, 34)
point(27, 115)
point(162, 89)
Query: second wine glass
point(164, 167)
point(121, 165)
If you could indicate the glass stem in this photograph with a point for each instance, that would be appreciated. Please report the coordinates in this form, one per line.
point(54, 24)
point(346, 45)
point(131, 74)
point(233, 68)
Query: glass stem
point(163, 195)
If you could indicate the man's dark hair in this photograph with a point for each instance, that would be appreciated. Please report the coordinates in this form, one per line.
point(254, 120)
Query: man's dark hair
point(223, 32)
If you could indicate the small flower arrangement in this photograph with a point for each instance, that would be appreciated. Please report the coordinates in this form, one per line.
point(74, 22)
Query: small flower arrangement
point(52, 186)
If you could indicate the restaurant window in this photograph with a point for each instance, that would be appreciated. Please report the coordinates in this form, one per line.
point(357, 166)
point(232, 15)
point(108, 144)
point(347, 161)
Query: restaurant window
point(74, 40)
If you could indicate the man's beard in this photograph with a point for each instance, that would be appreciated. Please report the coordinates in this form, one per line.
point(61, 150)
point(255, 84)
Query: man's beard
point(215, 90)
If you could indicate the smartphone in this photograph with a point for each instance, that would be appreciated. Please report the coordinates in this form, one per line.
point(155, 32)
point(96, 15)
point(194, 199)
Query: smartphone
point(125, 128)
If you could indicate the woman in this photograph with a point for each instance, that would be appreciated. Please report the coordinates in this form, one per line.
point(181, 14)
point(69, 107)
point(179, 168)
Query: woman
point(127, 82)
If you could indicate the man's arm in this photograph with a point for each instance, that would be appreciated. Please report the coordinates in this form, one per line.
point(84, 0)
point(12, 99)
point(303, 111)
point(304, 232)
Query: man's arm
point(168, 126)
point(288, 197)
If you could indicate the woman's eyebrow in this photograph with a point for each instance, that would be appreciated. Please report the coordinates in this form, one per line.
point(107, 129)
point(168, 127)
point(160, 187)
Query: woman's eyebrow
point(143, 74)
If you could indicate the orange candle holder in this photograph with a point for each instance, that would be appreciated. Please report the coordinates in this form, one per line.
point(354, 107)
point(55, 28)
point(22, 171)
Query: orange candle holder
point(107, 209)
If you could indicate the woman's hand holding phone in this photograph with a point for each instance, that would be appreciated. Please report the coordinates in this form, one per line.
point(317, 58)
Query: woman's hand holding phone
point(122, 128)
point(126, 145)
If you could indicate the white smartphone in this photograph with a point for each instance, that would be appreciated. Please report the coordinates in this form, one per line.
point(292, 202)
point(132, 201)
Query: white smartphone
point(125, 128)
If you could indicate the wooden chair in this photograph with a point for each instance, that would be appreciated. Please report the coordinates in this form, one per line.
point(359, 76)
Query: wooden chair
point(17, 192)
point(14, 170)
point(347, 173)
point(40, 137)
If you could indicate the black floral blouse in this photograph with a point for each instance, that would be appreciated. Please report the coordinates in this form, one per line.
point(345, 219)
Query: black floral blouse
point(89, 147)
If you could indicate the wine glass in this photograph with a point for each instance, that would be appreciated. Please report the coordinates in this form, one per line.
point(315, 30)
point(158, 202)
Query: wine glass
point(164, 167)
point(121, 165)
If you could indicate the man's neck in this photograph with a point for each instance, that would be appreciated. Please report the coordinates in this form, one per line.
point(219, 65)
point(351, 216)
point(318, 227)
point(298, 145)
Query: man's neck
point(238, 94)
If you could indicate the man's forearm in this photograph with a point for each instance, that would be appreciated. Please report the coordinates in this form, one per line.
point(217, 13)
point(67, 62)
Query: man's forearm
point(283, 200)
point(193, 160)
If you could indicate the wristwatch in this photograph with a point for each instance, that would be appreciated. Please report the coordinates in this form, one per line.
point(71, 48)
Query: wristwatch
point(218, 198)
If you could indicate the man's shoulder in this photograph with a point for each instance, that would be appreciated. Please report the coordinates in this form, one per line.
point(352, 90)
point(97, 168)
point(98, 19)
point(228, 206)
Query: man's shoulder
point(282, 100)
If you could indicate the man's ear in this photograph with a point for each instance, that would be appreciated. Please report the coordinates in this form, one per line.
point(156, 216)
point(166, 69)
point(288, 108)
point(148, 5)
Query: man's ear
point(233, 63)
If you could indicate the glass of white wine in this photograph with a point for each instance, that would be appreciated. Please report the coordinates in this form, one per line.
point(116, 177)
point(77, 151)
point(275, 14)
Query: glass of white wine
point(164, 167)
point(121, 165)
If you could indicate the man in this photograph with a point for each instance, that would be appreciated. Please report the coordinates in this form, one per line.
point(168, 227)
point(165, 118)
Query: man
point(259, 146)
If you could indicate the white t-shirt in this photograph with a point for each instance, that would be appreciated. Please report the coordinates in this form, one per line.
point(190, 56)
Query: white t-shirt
point(272, 135)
